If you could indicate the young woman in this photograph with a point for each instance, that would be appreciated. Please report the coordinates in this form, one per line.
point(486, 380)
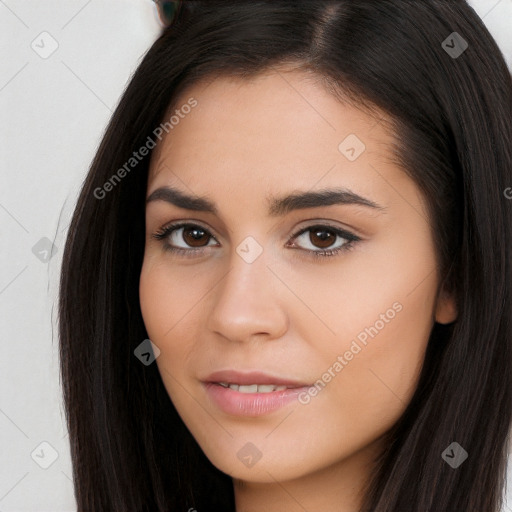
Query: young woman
point(286, 285)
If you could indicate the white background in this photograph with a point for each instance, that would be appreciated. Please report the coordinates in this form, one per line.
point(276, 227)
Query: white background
point(54, 111)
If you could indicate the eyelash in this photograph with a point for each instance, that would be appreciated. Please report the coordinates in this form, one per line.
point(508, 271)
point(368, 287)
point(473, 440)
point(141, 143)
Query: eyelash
point(164, 232)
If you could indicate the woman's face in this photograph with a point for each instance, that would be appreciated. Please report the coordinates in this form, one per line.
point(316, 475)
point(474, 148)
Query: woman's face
point(346, 332)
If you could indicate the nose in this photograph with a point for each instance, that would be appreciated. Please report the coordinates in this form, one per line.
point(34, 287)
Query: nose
point(248, 302)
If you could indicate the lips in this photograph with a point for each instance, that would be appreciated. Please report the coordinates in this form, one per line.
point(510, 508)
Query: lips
point(252, 381)
point(251, 393)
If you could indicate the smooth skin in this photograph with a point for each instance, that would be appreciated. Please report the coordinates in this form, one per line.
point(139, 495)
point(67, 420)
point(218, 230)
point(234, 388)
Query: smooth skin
point(287, 313)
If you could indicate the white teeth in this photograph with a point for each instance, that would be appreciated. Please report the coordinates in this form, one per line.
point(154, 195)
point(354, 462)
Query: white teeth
point(253, 388)
point(266, 388)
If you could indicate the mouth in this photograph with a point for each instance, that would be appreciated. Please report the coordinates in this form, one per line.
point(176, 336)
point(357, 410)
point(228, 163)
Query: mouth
point(249, 379)
point(251, 393)
point(253, 388)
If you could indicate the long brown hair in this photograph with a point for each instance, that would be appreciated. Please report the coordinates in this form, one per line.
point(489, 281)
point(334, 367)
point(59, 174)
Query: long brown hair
point(453, 120)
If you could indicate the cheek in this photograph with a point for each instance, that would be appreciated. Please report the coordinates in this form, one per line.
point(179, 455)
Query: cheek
point(166, 297)
point(382, 360)
point(164, 309)
point(381, 313)
point(154, 300)
point(171, 303)
point(373, 381)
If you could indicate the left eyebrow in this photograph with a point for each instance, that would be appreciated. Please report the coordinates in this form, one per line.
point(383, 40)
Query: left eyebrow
point(277, 206)
point(328, 197)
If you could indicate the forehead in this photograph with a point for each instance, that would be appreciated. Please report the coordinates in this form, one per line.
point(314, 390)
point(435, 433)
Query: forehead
point(249, 141)
point(284, 115)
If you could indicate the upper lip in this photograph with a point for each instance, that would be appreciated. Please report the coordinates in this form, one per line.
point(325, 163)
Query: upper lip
point(252, 377)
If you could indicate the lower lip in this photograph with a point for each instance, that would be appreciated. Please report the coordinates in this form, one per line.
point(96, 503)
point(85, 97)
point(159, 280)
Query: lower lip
point(250, 404)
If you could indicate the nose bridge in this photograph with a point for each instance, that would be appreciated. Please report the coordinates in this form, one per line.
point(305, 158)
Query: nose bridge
point(246, 302)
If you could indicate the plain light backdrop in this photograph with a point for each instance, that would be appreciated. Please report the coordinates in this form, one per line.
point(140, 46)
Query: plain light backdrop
point(63, 67)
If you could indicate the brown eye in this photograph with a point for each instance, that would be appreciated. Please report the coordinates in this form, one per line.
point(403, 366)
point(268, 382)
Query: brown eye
point(183, 238)
point(322, 238)
point(319, 240)
point(194, 236)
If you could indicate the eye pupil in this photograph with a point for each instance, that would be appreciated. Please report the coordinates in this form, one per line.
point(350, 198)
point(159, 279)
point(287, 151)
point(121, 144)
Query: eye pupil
point(197, 234)
point(325, 240)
